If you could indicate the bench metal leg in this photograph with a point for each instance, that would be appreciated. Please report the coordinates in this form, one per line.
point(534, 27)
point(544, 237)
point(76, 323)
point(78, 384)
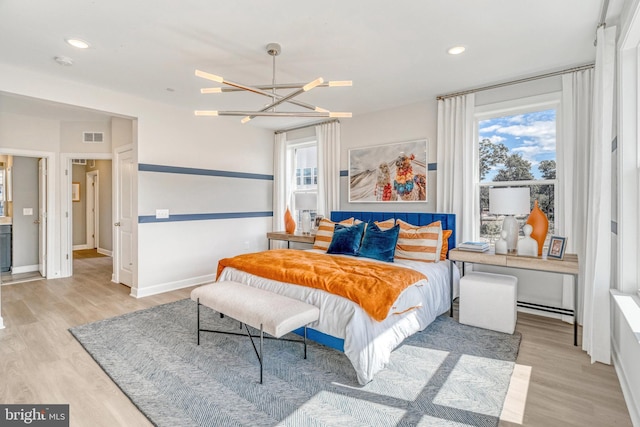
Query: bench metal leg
point(259, 352)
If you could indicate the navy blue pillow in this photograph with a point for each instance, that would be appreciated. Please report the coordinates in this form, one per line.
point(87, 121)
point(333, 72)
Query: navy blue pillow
point(379, 244)
point(346, 239)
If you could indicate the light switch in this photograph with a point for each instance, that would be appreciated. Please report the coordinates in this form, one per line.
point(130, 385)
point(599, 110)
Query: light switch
point(162, 213)
point(27, 211)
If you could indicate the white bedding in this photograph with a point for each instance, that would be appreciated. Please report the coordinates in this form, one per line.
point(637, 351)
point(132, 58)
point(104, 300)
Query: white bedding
point(367, 343)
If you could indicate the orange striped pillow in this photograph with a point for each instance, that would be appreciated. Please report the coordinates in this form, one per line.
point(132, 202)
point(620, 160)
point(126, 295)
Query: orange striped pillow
point(445, 244)
point(325, 232)
point(419, 243)
point(386, 224)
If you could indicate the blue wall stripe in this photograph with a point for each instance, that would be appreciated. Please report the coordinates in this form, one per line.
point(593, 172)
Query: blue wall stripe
point(208, 172)
point(143, 219)
point(430, 167)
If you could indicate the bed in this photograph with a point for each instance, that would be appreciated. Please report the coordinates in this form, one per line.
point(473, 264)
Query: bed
point(346, 325)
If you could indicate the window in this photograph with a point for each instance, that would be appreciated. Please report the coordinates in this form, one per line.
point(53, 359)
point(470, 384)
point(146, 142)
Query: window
point(305, 164)
point(517, 148)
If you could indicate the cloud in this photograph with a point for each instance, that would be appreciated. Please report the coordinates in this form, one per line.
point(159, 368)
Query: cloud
point(496, 139)
point(488, 129)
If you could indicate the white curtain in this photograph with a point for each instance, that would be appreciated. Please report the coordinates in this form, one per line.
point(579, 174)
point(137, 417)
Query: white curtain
point(596, 332)
point(573, 173)
point(281, 187)
point(458, 168)
point(328, 135)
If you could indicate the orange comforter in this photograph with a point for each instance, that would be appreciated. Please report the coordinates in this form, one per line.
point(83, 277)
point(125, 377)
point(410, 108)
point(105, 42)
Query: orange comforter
point(374, 286)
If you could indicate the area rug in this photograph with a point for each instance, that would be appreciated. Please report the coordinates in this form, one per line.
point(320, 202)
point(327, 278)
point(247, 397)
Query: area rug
point(447, 375)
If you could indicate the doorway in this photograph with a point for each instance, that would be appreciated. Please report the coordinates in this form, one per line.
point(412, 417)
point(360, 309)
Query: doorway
point(24, 218)
point(91, 200)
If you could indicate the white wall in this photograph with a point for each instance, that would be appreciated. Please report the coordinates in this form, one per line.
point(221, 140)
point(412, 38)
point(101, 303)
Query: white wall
point(407, 123)
point(171, 136)
point(71, 137)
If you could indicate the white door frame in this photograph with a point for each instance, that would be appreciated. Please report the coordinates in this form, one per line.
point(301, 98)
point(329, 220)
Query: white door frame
point(66, 208)
point(43, 220)
point(52, 253)
point(93, 208)
point(117, 250)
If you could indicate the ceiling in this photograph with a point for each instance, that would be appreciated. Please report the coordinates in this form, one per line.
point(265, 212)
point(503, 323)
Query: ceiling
point(395, 52)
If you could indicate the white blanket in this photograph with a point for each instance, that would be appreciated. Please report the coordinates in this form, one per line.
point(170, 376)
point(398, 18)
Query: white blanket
point(367, 343)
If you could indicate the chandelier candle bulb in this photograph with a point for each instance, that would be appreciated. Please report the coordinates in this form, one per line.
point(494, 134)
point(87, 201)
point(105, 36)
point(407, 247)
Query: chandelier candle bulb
point(340, 83)
point(205, 113)
point(209, 76)
point(211, 90)
point(312, 84)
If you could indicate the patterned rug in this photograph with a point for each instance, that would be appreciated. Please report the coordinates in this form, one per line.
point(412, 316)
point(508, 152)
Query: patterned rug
point(447, 375)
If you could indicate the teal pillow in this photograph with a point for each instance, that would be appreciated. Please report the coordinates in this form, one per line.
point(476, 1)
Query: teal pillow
point(346, 239)
point(379, 244)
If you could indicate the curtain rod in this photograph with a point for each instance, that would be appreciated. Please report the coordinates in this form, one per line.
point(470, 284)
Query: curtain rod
point(523, 80)
point(306, 126)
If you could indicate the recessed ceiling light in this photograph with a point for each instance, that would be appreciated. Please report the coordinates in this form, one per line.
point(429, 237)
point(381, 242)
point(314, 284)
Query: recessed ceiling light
point(456, 50)
point(80, 44)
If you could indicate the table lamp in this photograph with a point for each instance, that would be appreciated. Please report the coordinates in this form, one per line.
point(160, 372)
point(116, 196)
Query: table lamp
point(306, 202)
point(509, 201)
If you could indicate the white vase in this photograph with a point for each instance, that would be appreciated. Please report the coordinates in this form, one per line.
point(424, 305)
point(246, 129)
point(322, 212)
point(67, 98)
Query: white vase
point(510, 225)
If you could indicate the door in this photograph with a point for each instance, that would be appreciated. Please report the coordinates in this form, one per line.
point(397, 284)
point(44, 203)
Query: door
point(124, 217)
point(92, 209)
point(42, 217)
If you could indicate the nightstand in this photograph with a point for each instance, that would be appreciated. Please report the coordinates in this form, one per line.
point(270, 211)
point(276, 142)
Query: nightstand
point(296, 237)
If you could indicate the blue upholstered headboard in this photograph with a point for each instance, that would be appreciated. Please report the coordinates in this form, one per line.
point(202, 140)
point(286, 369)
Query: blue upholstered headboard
point(448, 221)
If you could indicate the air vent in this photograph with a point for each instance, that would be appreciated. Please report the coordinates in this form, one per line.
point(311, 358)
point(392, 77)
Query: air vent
point(92, 137)
point(79, 161)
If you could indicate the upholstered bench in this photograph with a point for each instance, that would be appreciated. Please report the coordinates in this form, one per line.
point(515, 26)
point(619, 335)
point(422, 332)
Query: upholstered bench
point(489, 301)
point(269, 312)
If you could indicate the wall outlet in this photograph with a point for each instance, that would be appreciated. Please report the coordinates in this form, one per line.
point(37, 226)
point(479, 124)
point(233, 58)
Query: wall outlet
point(27, 211)
point(162, 213)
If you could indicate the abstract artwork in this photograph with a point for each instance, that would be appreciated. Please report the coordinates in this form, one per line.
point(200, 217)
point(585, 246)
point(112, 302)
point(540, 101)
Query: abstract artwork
point(389, 173)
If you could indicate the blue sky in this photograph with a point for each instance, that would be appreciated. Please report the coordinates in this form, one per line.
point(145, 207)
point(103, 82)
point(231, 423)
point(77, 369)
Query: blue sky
point(533, 135)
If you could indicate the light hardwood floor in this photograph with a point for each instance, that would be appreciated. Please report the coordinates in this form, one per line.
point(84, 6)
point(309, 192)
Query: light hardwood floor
point(40, 362)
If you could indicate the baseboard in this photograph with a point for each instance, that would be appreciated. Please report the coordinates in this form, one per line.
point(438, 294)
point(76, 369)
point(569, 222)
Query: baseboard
point(1, 323)
point(80, 247)
point(627, 392)
point(105, 252)
point(172, 286)
point(25, 269)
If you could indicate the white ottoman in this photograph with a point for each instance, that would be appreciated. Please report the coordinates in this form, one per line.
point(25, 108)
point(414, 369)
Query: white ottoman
point(489, 301)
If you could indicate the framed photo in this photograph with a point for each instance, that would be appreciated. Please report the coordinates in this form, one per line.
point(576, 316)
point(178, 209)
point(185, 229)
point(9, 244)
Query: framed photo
point(389, 173)
point(557, 246)
point(75, 191)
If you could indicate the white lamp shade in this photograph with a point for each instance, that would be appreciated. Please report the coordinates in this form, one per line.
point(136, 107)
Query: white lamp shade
point(509, 200)
point(306, 201)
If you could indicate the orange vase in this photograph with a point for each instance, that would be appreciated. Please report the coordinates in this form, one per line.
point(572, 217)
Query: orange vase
point(538, 220)
point(289, 222)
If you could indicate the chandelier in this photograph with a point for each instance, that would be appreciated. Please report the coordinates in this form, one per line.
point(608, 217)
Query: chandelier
point(271, 91)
